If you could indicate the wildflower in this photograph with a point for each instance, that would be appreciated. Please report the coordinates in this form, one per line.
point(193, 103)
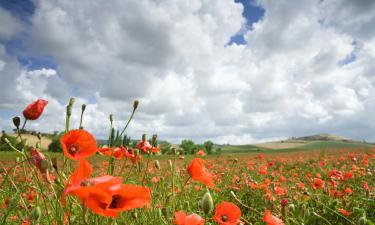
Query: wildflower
point(78, 144)
point(182, 219)
point(227, 213)
point(200, 153)
point(38, 159)
point(199, 172)
point(271, 219)
point(35, 109)
point(317, 183)
point(144, 146)
point(344, 212)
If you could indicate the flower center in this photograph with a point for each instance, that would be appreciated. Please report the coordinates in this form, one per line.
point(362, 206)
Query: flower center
point(224, 218)
point(115, 201)
point(73, 149)
point(85, 183)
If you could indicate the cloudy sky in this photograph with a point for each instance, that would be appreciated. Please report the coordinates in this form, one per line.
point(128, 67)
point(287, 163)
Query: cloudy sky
point(229, 71)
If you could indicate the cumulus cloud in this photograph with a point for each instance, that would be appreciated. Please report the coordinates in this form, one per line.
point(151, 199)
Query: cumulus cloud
point(307, 67)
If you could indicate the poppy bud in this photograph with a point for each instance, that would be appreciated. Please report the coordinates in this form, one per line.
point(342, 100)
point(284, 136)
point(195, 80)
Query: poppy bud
point(291, 207)
point(207, 203)
point(143, 137)
point(83, 107)
point(17, 159)
point(68, 110)
point(35, 214)
point(135, 215)
point(71, 101)
point(16, 121)
point(170, 164)
point(37, 145)
point(157, 164)
point(165, 212)
point(154, 140)
point(362, 220)
point(111, 118)
point(284, 202)
point(135, 104)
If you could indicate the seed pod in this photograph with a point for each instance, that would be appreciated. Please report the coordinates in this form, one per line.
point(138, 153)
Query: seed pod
point(291, 207)
point(154, 140)
point(207, 203)
point(68, 110)
point(111, 118)
point(83, 107)
point(71, 101)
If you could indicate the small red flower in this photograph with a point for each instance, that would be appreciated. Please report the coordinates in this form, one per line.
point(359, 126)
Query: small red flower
point(317, 183)
point(78, 144)
point(200, 153)
point(227, 214)
point(38, 159)
point(199, 172)
point(182, 219)
point(144, 146)
point(271, 220)
point(344, 212)
point(35, 109)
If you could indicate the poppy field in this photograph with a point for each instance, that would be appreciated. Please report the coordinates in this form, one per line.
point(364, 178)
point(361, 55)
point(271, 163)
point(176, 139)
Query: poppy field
point(119, 184)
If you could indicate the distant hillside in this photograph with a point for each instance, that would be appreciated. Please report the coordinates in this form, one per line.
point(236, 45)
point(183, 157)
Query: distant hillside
point(318, 141)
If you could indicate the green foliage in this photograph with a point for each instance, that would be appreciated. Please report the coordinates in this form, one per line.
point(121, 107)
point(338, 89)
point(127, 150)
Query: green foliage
point(165, 147)
point(188, 147)
point(13, 140)
point(55, 145)
point(209, 147)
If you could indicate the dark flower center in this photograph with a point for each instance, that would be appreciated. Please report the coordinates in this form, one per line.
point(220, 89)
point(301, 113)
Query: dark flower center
point(85, 183)
point(224, 218)
point(115, 201)
point(73, 149)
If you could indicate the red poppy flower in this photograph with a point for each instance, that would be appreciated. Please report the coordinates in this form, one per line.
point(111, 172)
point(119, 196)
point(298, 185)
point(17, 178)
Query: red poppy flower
point(109, 199)
point(227, 214)
point(182, 219)
point(199, 172)
point(317, 183)
point(200, 153)
point(78, 144)
point(117, 152)
point(144, 146)
point(271, 220)
point(38, 159)
point(79, 178)
point(344, 212)
point(35, 109)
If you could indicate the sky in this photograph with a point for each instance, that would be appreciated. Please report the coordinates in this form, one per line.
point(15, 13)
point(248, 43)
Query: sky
point(237, 72)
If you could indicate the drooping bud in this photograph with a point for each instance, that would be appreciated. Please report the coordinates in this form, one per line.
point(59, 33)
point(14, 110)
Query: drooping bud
point(135, 104)
point(207, 203)
point(16, 122)
point(157, 164)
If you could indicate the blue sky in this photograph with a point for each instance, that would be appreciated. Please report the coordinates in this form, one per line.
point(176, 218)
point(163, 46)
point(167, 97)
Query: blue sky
point(200, 70)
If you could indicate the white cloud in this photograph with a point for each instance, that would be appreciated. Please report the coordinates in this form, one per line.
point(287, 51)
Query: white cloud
point(289, 80)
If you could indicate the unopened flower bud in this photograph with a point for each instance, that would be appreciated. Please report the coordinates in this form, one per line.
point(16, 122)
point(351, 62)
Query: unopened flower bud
point(154, 140)
point(143, 137)
point(207, 203)
point(362, 220)
point(71, 101)
point(35, 214)
point(111, 118)
point(83, 107)
point(68, 110)
point(135, 104)
point(17, 159)
point(291, 207)
point(170, 164)
point(157, 164)
point(16, 121)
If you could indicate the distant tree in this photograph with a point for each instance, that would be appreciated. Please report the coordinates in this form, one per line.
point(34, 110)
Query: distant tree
point(165, 147)
point(196, 148)
point(209, 147)
point(218, 151)
point(187, 146)
point(55, 145)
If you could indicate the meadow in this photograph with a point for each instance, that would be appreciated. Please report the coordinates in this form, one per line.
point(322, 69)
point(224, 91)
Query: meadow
point(118, 184)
